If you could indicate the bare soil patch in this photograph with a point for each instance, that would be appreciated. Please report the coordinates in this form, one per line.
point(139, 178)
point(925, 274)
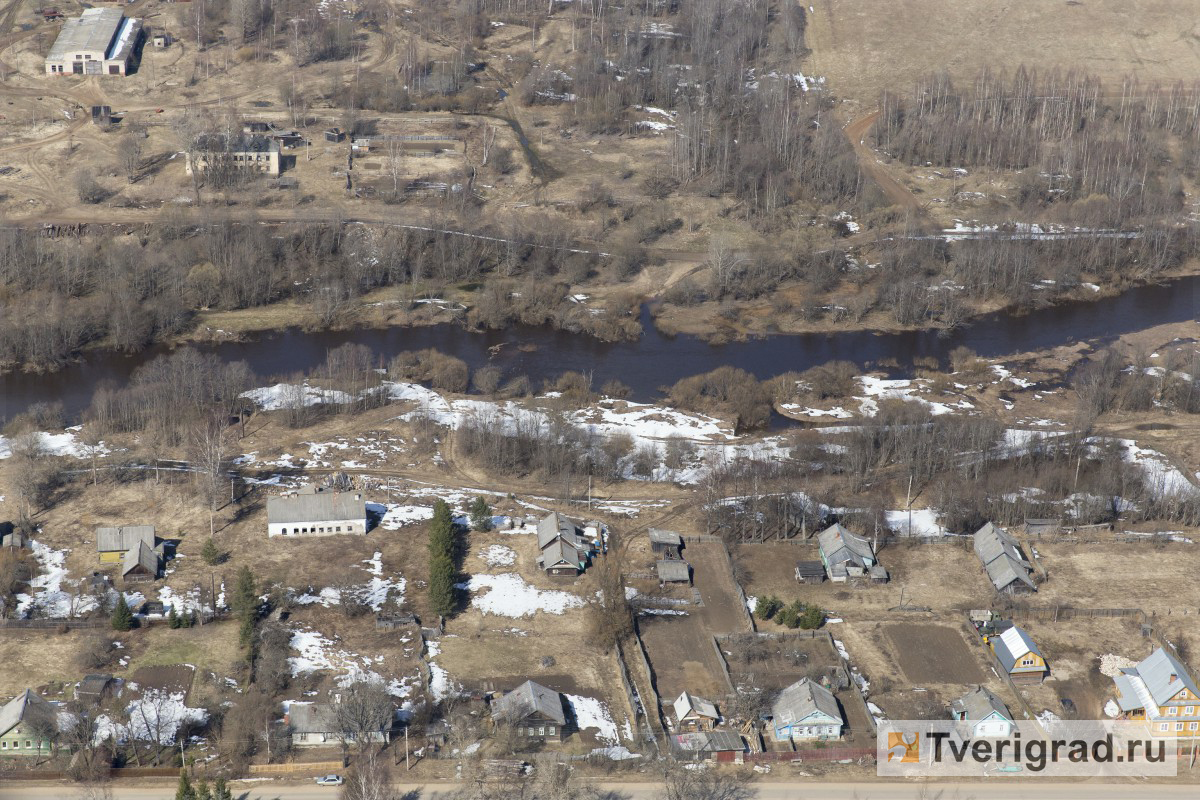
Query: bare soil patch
point(932, 654)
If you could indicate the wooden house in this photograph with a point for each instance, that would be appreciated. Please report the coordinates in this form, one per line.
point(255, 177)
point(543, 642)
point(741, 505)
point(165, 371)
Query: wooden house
point(672, 570)
point(1019, 656)
point(1003, 561)
point(988, 716)
point(535, 711)
point(315, 725)
point(665, 544)
point(93, 688)
point(24, 722)
point(112, 543)
point(806, 710)
point(694, 713)
point(141, 564)
point(1160, 692)
point(844, 553)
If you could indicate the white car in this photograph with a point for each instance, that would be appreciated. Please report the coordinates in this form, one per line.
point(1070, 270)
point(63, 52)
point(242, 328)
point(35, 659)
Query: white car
point(330, 780)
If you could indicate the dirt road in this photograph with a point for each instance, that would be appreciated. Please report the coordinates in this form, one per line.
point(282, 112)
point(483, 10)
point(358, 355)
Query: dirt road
point(994, 789)
point(856, 131)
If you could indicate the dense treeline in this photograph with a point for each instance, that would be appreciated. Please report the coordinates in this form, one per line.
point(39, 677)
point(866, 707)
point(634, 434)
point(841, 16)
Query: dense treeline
point(1077, 140)
point(127, 291)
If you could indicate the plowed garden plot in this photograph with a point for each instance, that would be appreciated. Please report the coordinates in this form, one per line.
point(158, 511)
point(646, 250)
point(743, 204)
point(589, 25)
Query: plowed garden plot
point(933, 654)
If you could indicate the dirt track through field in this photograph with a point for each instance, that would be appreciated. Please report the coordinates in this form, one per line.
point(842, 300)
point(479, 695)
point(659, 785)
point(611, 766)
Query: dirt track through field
point(856, 131)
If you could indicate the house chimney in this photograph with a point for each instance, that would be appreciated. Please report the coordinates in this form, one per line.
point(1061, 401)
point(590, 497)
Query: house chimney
point(1173, 678)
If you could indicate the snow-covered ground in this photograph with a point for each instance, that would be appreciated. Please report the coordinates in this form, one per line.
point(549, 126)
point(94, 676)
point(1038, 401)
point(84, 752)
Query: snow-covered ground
point(319, 653)
point(155, 716)
point(497, 555)
point(508, 595)
point(48, 595)
point(62, 443)
point(591, 713)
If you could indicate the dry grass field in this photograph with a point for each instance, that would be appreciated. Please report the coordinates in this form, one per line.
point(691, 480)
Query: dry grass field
point(865, 47)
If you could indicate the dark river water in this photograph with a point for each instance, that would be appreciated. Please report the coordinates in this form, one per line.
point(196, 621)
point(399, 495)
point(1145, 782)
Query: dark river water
point(650, 363)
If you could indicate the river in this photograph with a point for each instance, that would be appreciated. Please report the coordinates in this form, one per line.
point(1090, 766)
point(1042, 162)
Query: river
point(652, 362)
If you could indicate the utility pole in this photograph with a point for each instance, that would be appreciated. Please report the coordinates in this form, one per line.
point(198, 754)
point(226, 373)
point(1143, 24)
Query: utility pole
point(407, 763)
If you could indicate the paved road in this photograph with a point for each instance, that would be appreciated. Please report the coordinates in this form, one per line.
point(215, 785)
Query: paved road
point(996, 789)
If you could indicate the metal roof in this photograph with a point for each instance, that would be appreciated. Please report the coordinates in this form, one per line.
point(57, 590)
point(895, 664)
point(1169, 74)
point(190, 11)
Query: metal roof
point(527, 699)
point(1005, 570)
point(123, 537)
point(840, 546)
point(91, 32)
point(319, 507)
point(979, 704)
point(23, 707)
point(801, 700)
point(1156, 671)
point(992, 543)
point(1011, 646)
point(673, 570)
point(690, 704)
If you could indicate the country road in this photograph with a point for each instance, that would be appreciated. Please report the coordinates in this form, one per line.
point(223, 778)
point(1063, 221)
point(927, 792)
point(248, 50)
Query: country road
point(996, 789)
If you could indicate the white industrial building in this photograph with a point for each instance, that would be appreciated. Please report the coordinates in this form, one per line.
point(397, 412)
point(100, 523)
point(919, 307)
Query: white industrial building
point(101, 41)
point(316, 511)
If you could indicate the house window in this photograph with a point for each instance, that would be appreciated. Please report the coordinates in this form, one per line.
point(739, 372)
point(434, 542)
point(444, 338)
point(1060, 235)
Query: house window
point(339, 529)
point(1193, 726)
point(1189, 710)
point(550, 730)
point(3, 745)
point(1172, 711)
point(1178, 726)
point(1027, 662)
point(542, 731)
point(28, 745)
point(1162, 726)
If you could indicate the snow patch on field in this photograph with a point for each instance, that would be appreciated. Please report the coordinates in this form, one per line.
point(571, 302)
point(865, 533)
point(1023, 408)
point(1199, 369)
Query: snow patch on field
point(508, 595)
point(64, 443)
point(293, 395)
point(156, 716)
point(592, 713)
point(497, 555)
point(48, 598)
point(318, 653)
point(923, 522)
point(397, 516)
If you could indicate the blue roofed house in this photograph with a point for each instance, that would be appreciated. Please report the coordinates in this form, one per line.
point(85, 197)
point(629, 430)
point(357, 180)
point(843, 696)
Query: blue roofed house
point(806, 710)
point(1160, 691)
point(986, 713)
point(845, 553)
point(1019, 656)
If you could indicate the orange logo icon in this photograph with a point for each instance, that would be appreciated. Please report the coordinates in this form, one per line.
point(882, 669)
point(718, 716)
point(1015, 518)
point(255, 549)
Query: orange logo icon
point(904, 748)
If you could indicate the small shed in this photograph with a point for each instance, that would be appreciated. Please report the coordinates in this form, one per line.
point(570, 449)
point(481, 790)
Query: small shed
point(161, 41)
point(15, 541)
point(810, 571)
point(255, 127)
point(153, 608)
point(391, 622)
point(665, 544)
point(672, 570)
point(334, 135)
point(878, 574)
point(695, 713)
point(101, 115)
point(1037, 527)
point(93, 688)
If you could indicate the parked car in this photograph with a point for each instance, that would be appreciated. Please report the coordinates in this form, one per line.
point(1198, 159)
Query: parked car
point(330, 780)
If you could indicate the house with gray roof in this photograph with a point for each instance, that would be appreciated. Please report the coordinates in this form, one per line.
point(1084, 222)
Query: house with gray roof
point(24, 721)
point(316, 511)
point(1003, 561)
point(562, 547)
point(240, 151)
point(707, 745)
point(806, 710)
point(1019, 656)
point(534, 710)
point(112, 543)
point(1162, 693)
point(315, 725)
point(140, 564)
point(694, 713)
point(844, 553)
point(665, 544)
point(672, 570)
point(987, 714)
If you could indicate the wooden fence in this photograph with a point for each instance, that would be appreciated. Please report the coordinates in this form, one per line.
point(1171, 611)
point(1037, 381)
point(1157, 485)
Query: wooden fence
point(812, 754)
point(53, 624)
point(294, 768)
